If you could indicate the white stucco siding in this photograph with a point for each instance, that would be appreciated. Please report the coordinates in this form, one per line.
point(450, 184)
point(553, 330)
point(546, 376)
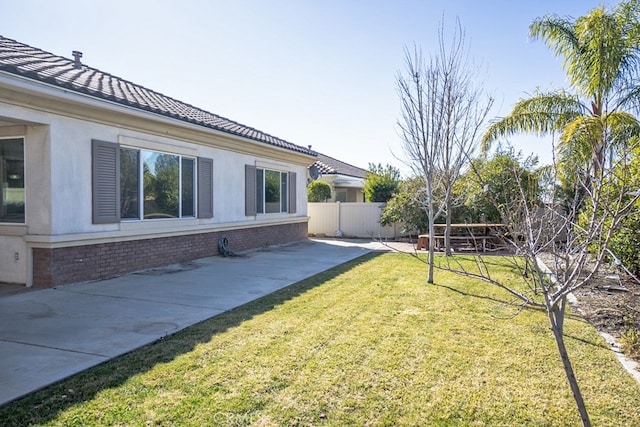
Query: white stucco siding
point(58, 165)
point(228, 186)
point(58, 162)
point(301, 190)
point(13, 259)
point(21, 122)
point(57, 176)
point(37, 167)
point(71, 174)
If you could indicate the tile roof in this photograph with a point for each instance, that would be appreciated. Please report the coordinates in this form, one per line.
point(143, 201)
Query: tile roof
point(329, 166)
point(35, 64)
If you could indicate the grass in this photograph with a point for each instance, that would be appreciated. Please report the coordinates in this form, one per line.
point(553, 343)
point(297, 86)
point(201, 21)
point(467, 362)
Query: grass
point(366, 343)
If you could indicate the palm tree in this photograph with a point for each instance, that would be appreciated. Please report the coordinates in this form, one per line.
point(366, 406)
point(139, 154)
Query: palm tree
point(601, 56)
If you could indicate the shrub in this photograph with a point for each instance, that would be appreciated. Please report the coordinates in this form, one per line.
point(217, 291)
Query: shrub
point(406, 209)
point(318, 191)
point(381, 183)
point(625, 240)
point(630, 342)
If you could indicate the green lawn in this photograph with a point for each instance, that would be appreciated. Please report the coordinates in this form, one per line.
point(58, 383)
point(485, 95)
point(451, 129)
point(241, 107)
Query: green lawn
point(367, 343)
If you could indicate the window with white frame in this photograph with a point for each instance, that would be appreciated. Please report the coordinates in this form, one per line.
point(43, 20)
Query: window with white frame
point(12, 180)
point(131, 183)
point(272, 191)
point(269, 191)
point(156, 185)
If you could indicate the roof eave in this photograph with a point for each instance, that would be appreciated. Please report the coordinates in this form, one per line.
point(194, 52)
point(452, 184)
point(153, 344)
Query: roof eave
point(51, 91)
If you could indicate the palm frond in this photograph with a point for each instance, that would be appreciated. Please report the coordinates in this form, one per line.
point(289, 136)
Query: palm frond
point(587, 135)
point(599, 50)
point(576, 144)
point(539, 115)
point(622, 127)
point(557, 32)
point(628, 98)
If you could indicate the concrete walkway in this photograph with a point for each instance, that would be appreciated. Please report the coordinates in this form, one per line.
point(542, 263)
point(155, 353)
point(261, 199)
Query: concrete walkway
point(49, 334)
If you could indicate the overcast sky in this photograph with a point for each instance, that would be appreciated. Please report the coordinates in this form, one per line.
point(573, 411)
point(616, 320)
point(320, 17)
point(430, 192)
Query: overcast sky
point(320, 73)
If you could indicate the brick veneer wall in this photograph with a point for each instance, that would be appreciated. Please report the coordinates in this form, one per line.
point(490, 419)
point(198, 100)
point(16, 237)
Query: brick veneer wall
point(59, 266)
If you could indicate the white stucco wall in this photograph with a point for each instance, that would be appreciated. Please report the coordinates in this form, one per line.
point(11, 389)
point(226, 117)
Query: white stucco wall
point(38, 183)
point(58, 180)
point(13, 259)
point(58, 163)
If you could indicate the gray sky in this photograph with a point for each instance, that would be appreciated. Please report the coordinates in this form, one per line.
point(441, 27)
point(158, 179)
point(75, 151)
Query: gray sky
point(320, 73)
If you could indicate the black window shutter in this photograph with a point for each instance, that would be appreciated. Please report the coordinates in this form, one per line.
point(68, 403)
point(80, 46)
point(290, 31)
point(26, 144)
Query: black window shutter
point(250, 191)
point(105, 166)
point(205, 187)
point(292, 192)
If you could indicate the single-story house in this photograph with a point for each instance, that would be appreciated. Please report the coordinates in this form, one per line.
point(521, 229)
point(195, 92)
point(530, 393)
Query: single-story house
point(100, 176)
point(346, 181)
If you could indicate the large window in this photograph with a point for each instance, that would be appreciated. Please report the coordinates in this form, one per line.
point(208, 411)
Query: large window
point(272, 191)
point(156, 185)
point(12, 180)
point(268, 191)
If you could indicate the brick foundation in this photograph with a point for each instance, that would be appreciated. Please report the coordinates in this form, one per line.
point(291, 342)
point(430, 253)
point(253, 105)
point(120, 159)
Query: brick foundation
point(53, 267)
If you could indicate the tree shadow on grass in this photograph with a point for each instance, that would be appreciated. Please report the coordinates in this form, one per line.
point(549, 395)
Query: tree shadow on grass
point(466, 293)
point(44, 405)
point(571, 316)
point(518, 303)
point(599, 344)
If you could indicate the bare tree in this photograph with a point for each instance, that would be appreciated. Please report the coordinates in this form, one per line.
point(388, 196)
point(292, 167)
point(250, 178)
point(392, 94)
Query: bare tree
point(421, 130)
point(443, 112)
point(560, 244)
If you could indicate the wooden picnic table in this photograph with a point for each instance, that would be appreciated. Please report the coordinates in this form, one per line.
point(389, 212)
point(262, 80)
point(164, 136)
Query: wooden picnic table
point(474, 234)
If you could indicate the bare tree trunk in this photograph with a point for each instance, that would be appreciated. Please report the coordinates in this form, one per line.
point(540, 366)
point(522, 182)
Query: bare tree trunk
point(432, 241)
point(556, 318)
point(447, 229)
